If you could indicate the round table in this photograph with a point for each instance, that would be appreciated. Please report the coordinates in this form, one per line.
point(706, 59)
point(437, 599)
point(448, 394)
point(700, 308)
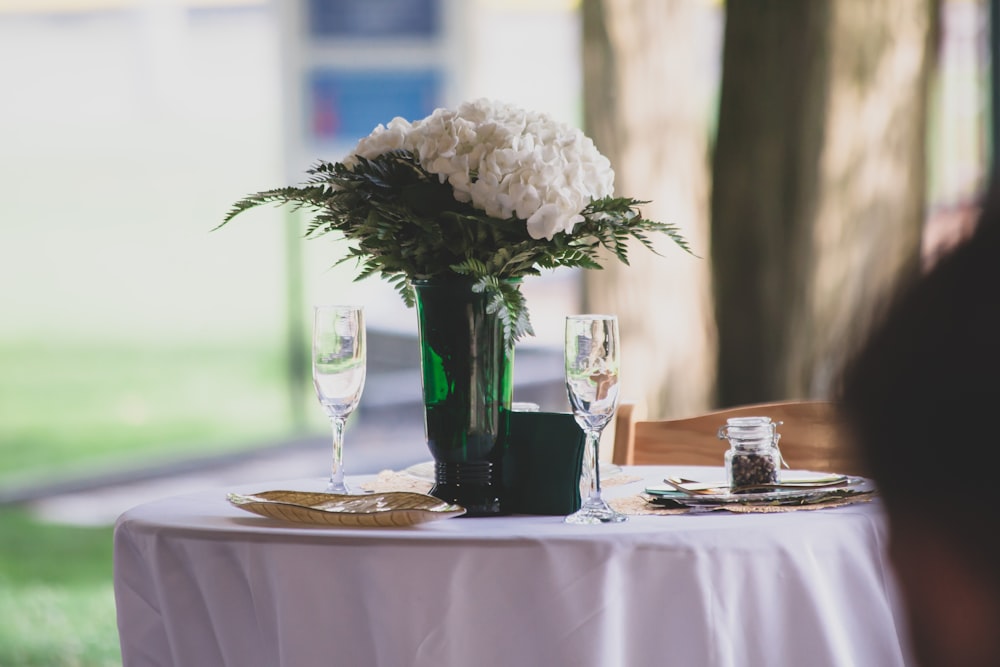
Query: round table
point(200, 582)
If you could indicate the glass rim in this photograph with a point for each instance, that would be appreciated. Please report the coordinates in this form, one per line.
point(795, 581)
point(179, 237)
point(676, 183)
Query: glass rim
point(337, 306)
point(592, 316)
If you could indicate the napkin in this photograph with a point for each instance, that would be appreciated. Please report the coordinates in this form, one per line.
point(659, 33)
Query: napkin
point(542, 463)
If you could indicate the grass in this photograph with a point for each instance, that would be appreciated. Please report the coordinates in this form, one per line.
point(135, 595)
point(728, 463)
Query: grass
point(73, 409)
point(56, 599)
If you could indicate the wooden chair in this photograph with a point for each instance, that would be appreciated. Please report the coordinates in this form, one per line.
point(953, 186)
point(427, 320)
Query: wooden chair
point(811, 437)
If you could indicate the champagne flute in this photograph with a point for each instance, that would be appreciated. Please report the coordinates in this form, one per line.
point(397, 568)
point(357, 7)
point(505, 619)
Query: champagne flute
point(338, 367)
point(592, 384)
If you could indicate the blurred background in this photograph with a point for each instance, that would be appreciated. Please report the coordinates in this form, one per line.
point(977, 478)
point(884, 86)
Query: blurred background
point(815, 154)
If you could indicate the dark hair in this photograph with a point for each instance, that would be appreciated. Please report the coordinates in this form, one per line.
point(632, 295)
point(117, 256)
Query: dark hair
point(922, 396)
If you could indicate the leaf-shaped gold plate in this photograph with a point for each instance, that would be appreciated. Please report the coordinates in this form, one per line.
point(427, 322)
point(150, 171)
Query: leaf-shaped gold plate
point(374, 510)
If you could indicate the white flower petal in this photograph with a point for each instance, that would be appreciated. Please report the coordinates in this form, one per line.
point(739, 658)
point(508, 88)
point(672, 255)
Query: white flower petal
point(503, 160)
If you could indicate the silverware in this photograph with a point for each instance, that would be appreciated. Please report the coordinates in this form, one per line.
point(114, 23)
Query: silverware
point(694, 488)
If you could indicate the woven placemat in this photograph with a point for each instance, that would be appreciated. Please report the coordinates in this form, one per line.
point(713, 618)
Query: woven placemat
point(619, 480)
point(395, 480)
point(636, 505)
point(392, 480)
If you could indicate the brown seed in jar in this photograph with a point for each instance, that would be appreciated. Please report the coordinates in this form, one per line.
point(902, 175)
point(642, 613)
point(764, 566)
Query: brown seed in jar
point(751, 470)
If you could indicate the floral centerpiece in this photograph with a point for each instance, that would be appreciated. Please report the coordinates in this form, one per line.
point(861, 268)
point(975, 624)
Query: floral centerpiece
point(488, 191)
point(453, 210)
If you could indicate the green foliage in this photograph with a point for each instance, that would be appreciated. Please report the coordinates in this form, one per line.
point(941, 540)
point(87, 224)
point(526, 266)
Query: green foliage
point(402, 223)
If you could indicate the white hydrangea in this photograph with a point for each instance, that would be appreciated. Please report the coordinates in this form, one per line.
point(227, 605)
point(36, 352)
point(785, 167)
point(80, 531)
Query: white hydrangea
point(504, 161)
point(382, 140)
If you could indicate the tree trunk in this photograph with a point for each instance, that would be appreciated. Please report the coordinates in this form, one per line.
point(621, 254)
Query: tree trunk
point(646, 96)
point(818, 184)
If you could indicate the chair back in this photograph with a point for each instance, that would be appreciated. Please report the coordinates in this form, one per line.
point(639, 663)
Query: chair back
point(812, 437)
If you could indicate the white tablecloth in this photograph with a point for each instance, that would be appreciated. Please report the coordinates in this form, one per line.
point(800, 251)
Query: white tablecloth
point(201, 583)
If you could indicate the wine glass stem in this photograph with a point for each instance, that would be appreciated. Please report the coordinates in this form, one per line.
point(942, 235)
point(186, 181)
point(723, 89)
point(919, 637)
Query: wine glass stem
point(337, 469)
point(592, 462)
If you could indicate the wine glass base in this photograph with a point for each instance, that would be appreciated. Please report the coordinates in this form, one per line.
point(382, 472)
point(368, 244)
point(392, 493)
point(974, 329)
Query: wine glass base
point(344, 490)
point(595, 512)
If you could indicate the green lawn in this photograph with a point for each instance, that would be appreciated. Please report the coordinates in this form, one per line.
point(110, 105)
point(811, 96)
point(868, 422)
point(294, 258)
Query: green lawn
point(72, 410)
point(75, 409)
point(56, 600)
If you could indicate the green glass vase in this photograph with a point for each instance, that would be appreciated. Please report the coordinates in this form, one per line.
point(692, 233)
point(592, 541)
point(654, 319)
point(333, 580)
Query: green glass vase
point(467, 374)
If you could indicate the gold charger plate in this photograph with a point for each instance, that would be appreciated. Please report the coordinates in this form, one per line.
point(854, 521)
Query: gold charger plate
point(379, 510)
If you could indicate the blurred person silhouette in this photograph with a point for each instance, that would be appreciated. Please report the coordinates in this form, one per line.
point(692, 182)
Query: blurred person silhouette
point(922, 401)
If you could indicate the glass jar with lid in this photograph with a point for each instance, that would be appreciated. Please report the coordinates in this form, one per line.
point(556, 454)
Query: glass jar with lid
point(753, 458)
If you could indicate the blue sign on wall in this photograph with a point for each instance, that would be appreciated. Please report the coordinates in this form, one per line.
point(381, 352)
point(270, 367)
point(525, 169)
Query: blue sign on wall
point(345, 105)
point(374, 18)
